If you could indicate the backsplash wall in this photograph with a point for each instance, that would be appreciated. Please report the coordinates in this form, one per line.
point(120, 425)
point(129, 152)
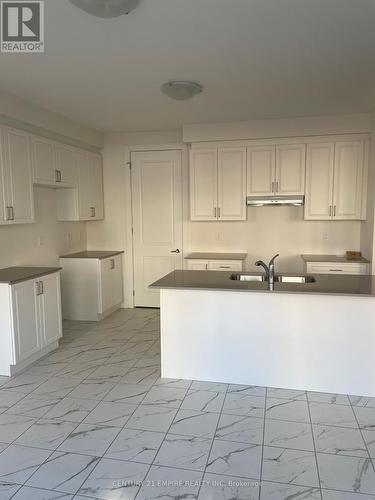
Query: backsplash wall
point(271, 230)
point(20, 244)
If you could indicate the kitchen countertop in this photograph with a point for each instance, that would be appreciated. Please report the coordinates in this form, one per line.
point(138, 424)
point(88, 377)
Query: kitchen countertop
point(12, 275)
point(92, 254)
point(333, 258)
point(216, 256)
point(220, 280)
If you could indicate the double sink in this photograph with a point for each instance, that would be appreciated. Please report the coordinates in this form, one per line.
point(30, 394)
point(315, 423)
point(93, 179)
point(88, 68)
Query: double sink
point(277, 278)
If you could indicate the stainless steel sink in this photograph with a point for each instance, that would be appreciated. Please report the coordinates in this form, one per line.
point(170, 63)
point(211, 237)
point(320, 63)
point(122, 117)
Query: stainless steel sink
point(248, 277)
point(278, 279)
point(295, 279)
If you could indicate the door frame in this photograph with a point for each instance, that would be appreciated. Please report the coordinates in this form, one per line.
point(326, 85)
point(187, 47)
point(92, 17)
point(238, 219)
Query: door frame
point(128, 271)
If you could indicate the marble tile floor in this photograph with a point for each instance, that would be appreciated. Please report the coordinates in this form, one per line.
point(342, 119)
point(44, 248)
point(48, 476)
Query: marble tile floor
point(95, 420)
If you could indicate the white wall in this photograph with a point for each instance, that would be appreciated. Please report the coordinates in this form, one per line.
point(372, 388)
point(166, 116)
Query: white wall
point(19, 244)
point(271, 230)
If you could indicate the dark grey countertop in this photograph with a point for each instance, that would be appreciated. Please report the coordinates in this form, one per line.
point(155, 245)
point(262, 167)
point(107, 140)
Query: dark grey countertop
point(216, 256)
point(92, 254)
point(330, 284)
point(12, 275)
point(333, 258)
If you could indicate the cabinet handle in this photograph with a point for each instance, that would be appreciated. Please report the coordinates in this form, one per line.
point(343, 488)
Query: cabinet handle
point(215, 212)
point(37, 288)
point(7, 213)
point(224, 267)
point(41, 287)
point(276, 186)
point(334, 210)
point(113, 264)
point(273, 187)
point(11, 211)
point(330, 210)
point(218, 212)
point(92, 211)
point(337, 270)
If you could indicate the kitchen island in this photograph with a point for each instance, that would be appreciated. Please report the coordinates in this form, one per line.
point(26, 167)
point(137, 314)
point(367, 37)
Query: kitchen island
point(317, 336)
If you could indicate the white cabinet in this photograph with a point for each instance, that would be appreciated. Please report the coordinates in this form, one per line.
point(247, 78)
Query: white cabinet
point(53, 163)
point(335, 181)
point(218, 184)
point(214, 265)
point(18, 200)
point(260, 170)
point(92, 287)
point(31, 321)
point(336, 268)
point(110, 286)
point(276, 169)
point(232, 184)
point(86, 201)
point(203, 184)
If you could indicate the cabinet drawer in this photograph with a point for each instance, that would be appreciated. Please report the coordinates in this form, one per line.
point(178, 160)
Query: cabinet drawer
point(225, 265)
point(336, 268)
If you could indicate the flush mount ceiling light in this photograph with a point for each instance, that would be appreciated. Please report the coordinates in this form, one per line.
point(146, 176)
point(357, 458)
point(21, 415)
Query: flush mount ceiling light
point(106, 8)
point(181, 90)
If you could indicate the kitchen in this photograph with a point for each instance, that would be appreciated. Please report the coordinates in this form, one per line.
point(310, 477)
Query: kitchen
point(151, 345)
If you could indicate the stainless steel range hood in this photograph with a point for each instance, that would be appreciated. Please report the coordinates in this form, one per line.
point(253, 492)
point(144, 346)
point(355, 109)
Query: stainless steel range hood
point(264, 201)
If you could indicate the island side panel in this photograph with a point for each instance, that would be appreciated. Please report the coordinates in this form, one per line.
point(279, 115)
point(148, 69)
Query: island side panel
point(297, 341)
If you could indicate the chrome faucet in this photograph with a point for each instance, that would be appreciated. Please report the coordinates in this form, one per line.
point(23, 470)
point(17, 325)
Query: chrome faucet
point(270, 270)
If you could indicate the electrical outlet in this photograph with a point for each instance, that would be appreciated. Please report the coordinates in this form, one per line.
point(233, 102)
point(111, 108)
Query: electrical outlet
point(325, 236)
point(69, 236)
point(40, 240)
point(80, 236)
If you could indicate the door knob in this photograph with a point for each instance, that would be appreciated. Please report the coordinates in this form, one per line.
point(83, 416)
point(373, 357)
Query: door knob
point(175, 251)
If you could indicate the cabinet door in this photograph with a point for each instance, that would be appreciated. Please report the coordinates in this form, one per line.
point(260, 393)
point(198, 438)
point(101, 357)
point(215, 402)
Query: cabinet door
point(197, 265)
point(50, 309)
point(290, 169)
point(203, 184)
point(117, 281)
point(3, 214)
point(260, 170)
point(26, 320)
point(232, 184)
point(105, 286)
point(19, 175)
point(96, 187)
point(319, 181)
point(66, 165)
point(347, 191)
point(43, 161)
point(83, 168)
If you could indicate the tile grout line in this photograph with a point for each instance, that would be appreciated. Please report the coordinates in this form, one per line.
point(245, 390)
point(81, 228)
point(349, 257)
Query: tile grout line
point(264, 433)
point(314, 444)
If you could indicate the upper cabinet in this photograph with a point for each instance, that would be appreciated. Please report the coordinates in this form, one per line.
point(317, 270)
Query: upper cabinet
point(85, 202)
point(276, 169)
point(218, 184)
point(335, 183)
point(54, 164)
point(16, 190)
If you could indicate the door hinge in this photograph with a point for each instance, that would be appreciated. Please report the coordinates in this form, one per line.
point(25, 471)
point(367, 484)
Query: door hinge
point(133, 293)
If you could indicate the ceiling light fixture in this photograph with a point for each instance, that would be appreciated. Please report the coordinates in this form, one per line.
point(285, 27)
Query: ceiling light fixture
point(106, 8)
point(181, 90)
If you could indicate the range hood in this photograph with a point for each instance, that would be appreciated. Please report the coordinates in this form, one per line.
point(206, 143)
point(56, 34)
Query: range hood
point(263, 201)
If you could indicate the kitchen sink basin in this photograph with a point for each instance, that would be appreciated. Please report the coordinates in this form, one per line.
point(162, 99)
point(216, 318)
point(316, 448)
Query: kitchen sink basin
point(248, 277)
point(295, 279)
point(278, 279)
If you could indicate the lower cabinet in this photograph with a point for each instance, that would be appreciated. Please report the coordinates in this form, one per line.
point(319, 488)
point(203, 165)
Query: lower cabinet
point(31, 321)
point(336, 268)
point(214, 265)
point(92, 288)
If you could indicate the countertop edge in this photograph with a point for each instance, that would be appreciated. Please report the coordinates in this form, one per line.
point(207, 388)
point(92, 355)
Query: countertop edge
point(79, 255)
point(31, 276)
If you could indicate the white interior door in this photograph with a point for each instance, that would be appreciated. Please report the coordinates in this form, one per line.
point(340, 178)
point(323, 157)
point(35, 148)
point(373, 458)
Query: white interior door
point(157, 220)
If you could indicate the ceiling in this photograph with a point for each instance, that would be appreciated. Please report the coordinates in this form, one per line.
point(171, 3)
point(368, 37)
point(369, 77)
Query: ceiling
point(256, 59)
